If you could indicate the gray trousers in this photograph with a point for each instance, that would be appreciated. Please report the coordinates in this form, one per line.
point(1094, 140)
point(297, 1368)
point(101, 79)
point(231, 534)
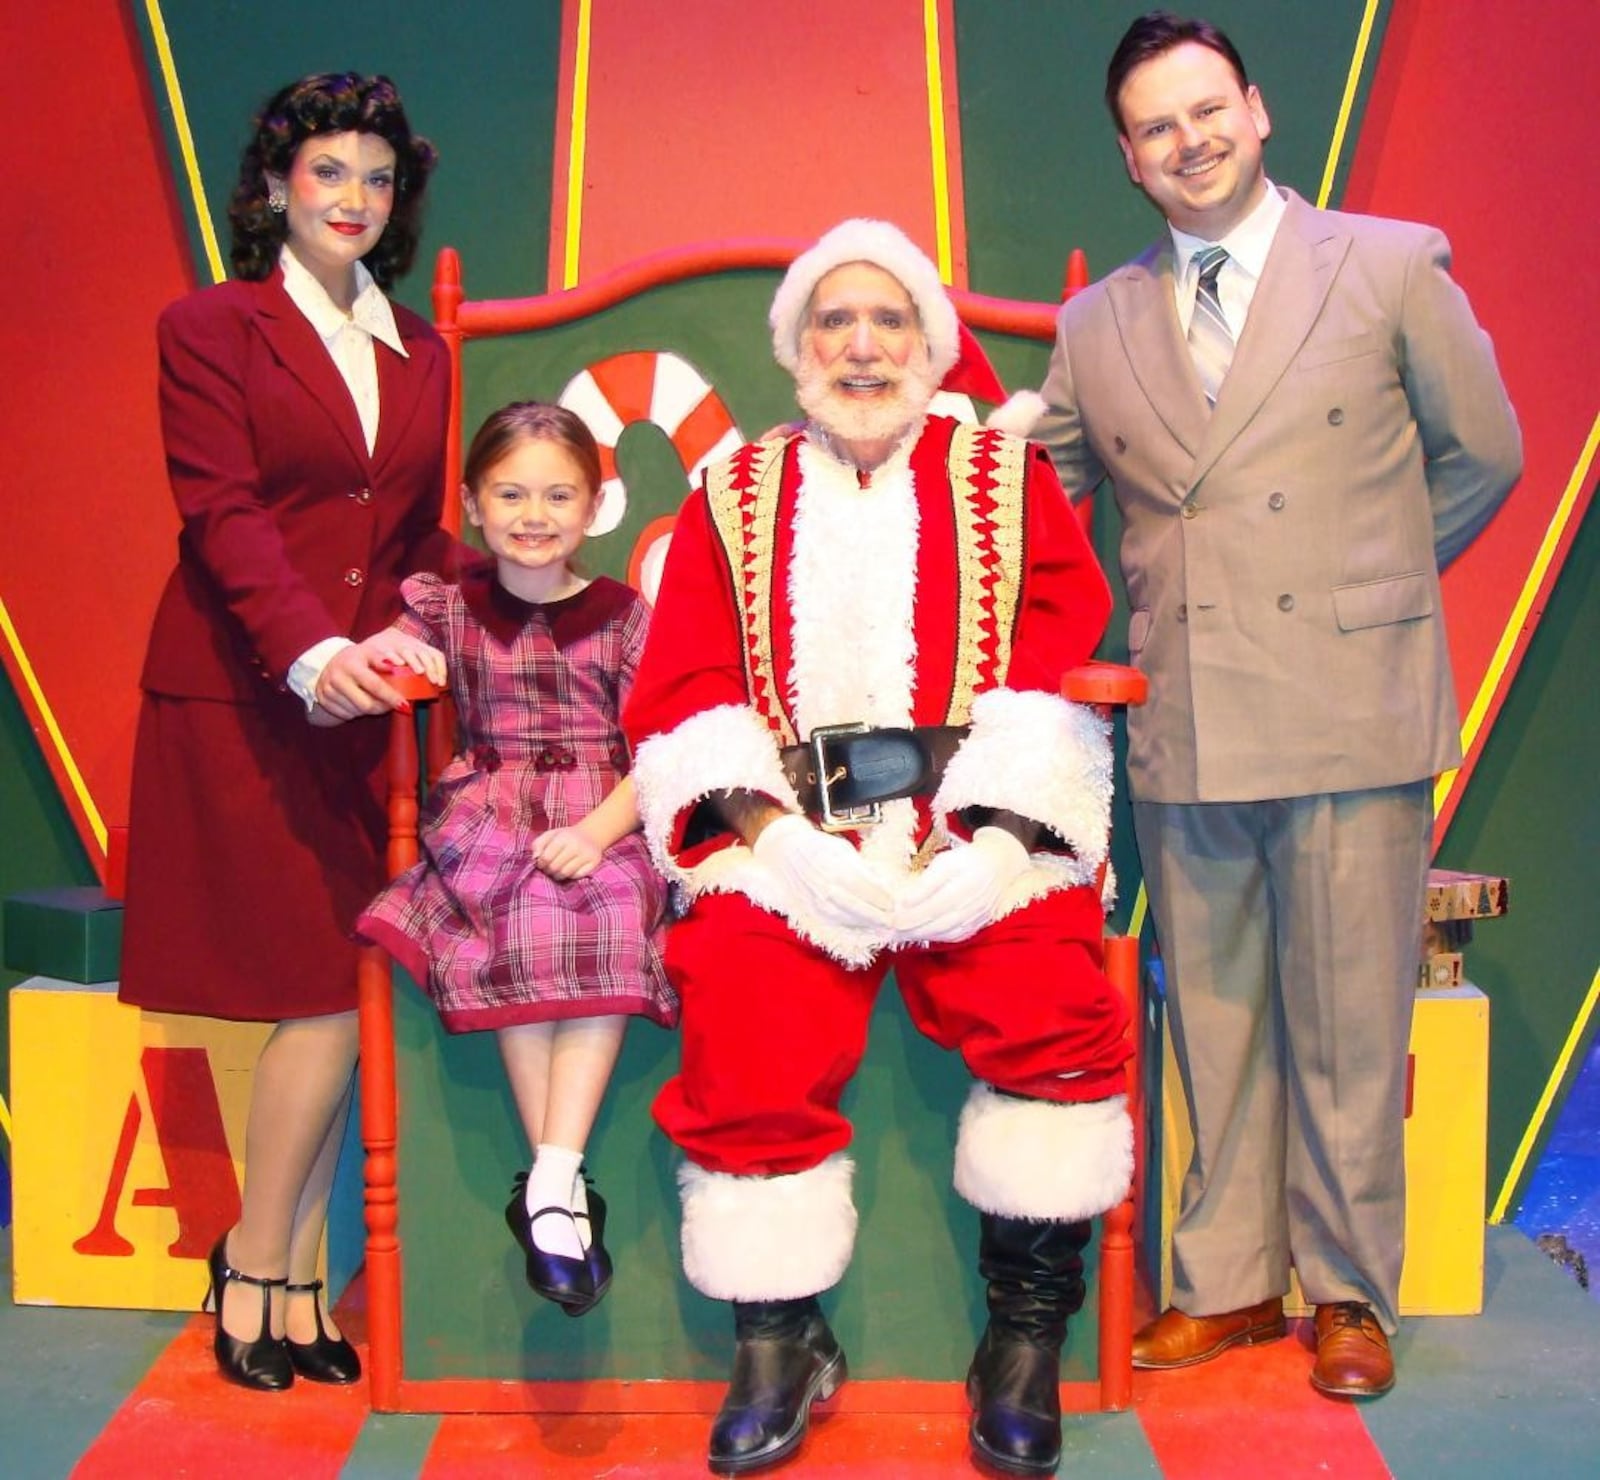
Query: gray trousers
point(1290, 932)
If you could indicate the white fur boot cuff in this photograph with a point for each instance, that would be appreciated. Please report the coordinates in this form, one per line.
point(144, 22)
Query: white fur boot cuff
point(767, 1238)
point(1043, 1159)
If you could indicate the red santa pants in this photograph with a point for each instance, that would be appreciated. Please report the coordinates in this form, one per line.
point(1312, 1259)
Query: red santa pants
point(773, 1029)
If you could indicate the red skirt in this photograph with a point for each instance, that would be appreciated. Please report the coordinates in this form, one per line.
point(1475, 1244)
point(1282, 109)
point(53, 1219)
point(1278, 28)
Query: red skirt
point(254, 842)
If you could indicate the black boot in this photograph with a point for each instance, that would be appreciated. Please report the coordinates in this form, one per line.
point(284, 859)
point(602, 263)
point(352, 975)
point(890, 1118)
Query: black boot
point(786, 1360)
point(1035, 1275)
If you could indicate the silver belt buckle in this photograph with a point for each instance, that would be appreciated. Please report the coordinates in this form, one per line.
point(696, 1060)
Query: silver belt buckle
point(842, 819)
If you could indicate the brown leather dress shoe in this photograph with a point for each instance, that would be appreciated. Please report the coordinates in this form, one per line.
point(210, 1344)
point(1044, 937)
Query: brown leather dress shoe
point(1174, 1339)
point(1353, 1356)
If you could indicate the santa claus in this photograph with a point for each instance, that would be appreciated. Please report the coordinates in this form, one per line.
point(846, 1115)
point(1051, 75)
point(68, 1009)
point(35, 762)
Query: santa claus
point(852, 756)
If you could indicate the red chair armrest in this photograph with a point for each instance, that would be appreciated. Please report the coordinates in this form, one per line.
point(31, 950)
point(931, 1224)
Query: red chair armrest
point(1105, 683)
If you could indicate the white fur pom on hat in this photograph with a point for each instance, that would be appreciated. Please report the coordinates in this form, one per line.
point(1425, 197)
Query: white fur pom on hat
point(885, 246)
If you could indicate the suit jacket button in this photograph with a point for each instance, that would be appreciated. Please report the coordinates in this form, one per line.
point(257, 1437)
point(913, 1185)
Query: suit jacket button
point(1336, 417)
point(1183, 611)
point(1119, 444)
point(1190, 507)
point(353, 577)
point(364, 496)
point(1286, 602)
point(1275, 501)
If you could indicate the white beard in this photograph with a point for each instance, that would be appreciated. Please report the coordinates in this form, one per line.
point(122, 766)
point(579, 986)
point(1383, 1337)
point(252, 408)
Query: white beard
point(885, 418)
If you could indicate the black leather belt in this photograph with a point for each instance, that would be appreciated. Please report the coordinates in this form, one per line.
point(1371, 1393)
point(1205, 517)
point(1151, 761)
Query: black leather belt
point(844, 773)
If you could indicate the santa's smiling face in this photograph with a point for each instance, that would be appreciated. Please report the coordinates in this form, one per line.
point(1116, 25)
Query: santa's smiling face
point(864, 372)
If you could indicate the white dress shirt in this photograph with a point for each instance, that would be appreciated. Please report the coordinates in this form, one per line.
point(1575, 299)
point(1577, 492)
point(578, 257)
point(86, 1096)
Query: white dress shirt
point(1247, 246)
point(348, 338)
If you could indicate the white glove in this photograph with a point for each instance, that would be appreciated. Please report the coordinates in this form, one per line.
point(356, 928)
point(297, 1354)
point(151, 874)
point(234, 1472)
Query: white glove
point(824, 873)
point(959, 892)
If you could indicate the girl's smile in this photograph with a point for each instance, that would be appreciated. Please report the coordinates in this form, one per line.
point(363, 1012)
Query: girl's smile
point(534, 506)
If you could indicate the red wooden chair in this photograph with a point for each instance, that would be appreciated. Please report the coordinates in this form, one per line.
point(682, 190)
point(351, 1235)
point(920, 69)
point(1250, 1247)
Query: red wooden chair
point(1103, 685)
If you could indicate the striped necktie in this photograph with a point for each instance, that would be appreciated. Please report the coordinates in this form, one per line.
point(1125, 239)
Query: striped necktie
point(1209, 340)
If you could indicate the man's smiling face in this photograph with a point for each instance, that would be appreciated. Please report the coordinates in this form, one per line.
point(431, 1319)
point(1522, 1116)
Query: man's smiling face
point(1191, 138)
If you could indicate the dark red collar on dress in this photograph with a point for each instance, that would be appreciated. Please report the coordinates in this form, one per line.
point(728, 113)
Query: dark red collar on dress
point(571, 619)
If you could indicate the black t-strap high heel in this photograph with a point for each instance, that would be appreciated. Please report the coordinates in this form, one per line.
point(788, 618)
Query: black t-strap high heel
point(328, 1358)
point(263, 1363)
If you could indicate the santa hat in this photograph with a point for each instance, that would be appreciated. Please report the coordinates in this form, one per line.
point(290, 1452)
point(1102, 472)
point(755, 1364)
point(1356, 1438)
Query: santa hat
point(974, 376)
point(885, 246)
point(954, 353)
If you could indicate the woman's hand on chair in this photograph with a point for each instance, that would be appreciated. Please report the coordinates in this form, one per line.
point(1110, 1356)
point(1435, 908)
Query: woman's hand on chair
point(353, 683)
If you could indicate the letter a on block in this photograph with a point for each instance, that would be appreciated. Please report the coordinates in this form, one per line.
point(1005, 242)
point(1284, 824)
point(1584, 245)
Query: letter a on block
point(201, 1188)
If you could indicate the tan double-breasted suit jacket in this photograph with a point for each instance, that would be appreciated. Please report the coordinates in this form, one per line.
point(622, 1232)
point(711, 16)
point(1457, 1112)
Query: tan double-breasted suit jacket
point(1280, 551)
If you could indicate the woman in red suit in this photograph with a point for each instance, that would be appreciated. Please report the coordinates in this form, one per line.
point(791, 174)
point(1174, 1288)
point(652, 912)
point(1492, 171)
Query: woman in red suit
point(303, 416)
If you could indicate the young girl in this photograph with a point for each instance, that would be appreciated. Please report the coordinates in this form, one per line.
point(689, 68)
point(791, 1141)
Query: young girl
point(535, 911)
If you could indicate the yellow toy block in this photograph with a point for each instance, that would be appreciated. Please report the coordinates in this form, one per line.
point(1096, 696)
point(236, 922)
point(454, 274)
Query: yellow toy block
point(1446, 1151)
point(127, 1144)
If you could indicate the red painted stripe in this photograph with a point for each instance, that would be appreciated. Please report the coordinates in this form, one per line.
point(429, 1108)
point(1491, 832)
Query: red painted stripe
point(1252, 1414)
point(184, 1419)
point(626, 381)
point(672, 1447)
point(717, 118)
point(1516, 214)
point(80, 575)
point(702, 429)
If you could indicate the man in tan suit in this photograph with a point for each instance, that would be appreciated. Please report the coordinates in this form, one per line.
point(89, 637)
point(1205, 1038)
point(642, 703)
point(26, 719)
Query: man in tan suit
point(1298, 429)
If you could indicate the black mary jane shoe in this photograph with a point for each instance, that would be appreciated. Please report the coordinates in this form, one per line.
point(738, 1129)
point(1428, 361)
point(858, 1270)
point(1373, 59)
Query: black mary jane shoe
point(596, 1255)
point(328, 1358)
point(557, 1277)
point(262, 1364)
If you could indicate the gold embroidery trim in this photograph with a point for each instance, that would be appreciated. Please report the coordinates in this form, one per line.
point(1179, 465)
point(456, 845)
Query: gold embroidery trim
point(742, 493)
point(988, 481)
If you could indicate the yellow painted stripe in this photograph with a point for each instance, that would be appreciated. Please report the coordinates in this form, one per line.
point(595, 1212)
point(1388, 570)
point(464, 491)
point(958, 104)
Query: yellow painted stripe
point(5, 1117)
point(941, 171)
point(1351, 82)
point(1141, 905)
point(1553, 534)
point(1552, 1086)
point(575, 149)
point(180, 124)
point(80, 788)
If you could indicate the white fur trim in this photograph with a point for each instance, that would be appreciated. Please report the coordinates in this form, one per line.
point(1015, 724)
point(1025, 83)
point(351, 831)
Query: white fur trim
point(852, 598)
point(767, 1238)
point(852, 593)
point(1042, 1158)
point(885, 246)
point(1041, 757)
point(1019, 415)
point(728, 748)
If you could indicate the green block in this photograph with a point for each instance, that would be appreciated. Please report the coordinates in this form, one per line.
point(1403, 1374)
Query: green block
point(74, 934)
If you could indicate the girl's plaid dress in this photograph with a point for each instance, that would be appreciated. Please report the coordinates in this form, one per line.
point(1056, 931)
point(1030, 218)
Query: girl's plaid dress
point(537, 689)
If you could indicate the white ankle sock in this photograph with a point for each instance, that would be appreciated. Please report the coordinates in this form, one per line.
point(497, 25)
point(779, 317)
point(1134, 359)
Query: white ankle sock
point(550, 1181)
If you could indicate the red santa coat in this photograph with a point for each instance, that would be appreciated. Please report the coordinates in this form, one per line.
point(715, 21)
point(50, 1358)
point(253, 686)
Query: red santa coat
point(955, 587)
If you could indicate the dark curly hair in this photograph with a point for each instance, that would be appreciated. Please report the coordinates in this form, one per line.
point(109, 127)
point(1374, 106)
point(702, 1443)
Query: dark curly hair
point(1153, 35)
point(328, 103)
